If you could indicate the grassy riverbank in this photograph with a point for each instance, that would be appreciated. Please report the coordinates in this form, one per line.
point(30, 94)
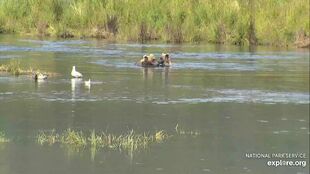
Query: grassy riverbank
point(276, 22)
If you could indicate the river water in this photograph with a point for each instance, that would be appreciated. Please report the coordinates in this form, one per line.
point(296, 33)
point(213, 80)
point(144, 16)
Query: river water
point(237, 100)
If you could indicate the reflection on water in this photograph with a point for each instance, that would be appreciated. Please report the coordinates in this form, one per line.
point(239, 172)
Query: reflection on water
point(75, 87)
point(76, 84)
point(148, 73)
point(238, 100)
point(40, 83)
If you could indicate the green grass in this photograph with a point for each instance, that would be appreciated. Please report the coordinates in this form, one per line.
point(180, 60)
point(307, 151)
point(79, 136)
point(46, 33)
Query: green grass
point(3, 138)
point(227, 21)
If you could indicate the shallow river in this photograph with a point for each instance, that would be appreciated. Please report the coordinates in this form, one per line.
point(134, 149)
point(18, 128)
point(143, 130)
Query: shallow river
point(236, 100)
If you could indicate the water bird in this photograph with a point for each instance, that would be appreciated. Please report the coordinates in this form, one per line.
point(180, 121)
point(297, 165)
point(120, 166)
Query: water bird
point(40, 76)
point(75, 73)
point(87, 83)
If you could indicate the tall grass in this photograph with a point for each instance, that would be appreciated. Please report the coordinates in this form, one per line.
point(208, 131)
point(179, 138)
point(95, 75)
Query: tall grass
point(226, 21)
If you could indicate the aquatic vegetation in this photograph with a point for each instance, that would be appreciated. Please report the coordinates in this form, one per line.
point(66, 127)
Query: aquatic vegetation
point(73, 138)
point(14, 67)
point(43, 138)
point(3, 138)
point(226, 21)
point(130, 141)
point(69, 137)
point(94, 139)
point(161, 136)
point(181, 131)
point(76, 141)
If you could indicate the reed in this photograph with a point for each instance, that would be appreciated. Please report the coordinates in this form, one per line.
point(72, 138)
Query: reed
point(226, 21)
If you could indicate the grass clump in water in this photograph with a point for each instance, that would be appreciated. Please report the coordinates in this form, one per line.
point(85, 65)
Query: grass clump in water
point(14, 67)
point(69, 137)
point(130, 141)
point(3, 138)
point(44, 138)
point(73, 138)
point(181, 131)
point(161, 136)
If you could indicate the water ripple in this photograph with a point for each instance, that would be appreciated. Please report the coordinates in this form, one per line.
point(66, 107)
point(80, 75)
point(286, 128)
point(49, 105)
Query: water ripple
point(244, 96)
point(188, 65)
point(239, 56)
